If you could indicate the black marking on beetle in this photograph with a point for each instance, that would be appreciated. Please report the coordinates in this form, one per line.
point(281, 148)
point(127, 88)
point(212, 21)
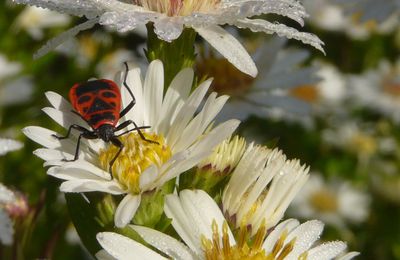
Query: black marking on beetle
point(83, 99)
point(108, 94)
point(95, 118)
point(92, 87)
point(99, 105)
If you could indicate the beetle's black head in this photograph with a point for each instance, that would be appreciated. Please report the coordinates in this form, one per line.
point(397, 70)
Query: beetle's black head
point(105, 132)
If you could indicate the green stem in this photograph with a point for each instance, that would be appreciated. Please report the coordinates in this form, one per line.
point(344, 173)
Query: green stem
point(175, 55)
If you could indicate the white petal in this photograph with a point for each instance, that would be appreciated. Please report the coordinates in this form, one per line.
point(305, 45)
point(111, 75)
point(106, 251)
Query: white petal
point(326, 251)
point(259, 25)
point(188, 158)
point(6, 228)
point(273, 237)
point(306, 234)
point(148, 177)
point(126, 210)
point(125, 248)
point(201, 121)
point(6, 195)
point(348, 256)
point(186, 113)
point(62, 37)
point(58, 101)
point(103, 255)
point(42, 136)
point(71, 173)
point(65, 119)
point(177, 92)
point(134, 82)
point(229, 47)
point(8, 145)
point(153, 91)
point(169, 245)
point(52, 155)
point(91, 185)
point(89, 167)
point(192, 216)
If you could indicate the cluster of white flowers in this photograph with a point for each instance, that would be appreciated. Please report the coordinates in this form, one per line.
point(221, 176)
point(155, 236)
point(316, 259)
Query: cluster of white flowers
point(260, 189)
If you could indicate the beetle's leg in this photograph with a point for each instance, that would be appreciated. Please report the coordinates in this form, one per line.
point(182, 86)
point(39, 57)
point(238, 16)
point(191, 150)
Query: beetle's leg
point(137, 128)
point(85, 133)
point(74, 126)
point(133, 102)
point(120, 145)
point(125, 124)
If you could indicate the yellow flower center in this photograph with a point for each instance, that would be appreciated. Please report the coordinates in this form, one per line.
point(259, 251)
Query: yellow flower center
point(220, 248)
point(178, 7)
point(324, 200)
point(138, 154)
point(307, 93)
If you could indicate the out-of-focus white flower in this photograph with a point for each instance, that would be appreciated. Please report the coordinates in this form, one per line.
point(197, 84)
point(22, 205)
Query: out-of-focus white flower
point(329, 15)
point(111, 63)
point(378, 11)
point(378, 89)
point(205, 17)
point(280, 72)
point(7, 197)
point(365, 140)
point(8, 145)
point(335, 203)
point(14, 88)
point(183, 139)
point(385, 180)
point(34, 20)
point(203, 228)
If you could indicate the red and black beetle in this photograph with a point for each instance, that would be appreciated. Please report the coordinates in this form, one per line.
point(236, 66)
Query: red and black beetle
point(98, 102)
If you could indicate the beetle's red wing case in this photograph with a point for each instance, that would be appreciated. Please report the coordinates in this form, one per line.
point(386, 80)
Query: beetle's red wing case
point(97, 101)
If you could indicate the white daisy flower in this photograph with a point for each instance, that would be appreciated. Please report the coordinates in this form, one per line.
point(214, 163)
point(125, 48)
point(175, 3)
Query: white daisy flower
point(329, 15)
point(322, 96)
point(8, 145)
point(13, 206)
point(378, 89)
point(202, 227)
point(271, 89)
point(6, 224)
point(355, 137)
point(261, 187)
point(372, 10)
point(171, 17)
point(181, 136)
point(14, 88)
point(33, 20)
point(334, 203)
